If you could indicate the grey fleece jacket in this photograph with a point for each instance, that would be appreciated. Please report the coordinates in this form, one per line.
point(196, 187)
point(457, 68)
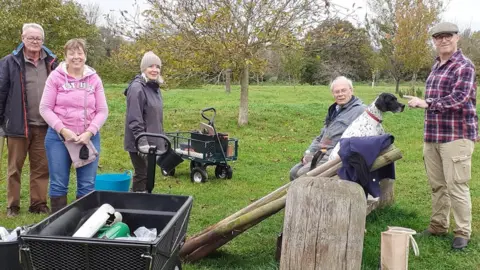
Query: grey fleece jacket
point(334, 126)
point(144, 113)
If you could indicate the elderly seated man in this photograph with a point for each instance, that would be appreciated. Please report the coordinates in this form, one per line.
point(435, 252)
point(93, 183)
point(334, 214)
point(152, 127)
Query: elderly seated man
point(340, 115)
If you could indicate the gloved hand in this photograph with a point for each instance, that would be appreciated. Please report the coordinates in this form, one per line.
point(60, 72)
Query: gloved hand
point(143, 151)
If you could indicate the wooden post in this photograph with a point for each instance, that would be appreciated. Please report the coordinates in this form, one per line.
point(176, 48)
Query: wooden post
point(387, 196)
point(324, 225)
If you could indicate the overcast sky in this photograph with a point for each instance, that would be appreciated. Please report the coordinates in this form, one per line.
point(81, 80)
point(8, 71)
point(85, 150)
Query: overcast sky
point(462, 12)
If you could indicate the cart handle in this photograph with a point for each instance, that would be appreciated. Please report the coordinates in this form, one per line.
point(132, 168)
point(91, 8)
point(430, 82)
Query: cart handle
point(210, 122)
point(168, 144)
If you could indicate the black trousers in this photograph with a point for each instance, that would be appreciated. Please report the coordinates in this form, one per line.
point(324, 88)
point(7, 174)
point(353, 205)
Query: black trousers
point(140, 172)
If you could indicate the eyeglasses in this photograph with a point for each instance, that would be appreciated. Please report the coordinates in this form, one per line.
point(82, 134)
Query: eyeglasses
point(36, 39)
point(341, 91)
point(439, 38)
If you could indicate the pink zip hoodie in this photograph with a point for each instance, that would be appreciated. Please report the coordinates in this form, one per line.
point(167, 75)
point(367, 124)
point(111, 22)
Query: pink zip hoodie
point(63, 101)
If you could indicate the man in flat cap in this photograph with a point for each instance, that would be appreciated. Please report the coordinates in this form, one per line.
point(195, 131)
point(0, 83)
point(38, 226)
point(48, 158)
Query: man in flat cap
point(450, 130)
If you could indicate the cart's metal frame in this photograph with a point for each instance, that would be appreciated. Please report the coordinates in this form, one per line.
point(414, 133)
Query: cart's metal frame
point(214, 154)
point(204, 150)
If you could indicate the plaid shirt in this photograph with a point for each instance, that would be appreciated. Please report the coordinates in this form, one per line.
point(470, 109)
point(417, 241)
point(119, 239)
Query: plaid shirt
point(451, 91)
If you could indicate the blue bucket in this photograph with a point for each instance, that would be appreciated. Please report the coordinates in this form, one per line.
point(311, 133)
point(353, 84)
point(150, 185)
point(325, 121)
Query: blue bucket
point(113, 181)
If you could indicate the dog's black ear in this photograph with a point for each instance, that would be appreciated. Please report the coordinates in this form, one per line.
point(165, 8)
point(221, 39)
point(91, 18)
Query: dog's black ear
point(392, 97)
point(381, 103)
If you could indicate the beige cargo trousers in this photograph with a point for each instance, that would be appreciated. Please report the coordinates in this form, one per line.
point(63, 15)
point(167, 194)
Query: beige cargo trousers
point(448, 167)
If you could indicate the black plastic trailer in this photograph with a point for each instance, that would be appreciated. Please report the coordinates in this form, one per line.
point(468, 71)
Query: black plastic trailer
point(50, 245)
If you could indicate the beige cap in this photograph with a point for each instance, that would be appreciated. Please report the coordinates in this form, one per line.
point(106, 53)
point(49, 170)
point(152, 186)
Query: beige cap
point(444, 28)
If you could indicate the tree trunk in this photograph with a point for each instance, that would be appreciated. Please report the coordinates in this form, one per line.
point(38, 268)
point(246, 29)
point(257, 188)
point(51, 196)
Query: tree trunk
point(228, 78)
point(208, 248)
point(224, 230)
point(219, 77)
point(324, 225)
point(373, 79)
point(243, 112)
point(414, 80)
point(397, 85)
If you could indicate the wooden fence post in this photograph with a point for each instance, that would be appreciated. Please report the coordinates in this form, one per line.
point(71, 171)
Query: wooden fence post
point(387, 196)
point(324, 225)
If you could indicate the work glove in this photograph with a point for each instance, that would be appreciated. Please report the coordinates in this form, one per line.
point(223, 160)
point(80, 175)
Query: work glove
point(145, 148)
point(143, 151)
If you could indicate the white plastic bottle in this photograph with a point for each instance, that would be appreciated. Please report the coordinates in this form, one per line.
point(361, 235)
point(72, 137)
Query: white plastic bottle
point(96, 221)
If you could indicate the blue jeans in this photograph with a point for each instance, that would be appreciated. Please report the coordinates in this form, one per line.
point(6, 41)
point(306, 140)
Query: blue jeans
point(59, 163)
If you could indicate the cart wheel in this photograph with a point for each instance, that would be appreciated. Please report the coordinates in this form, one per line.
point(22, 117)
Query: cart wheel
point(177, 265)
point(198, 175)
point(229, 172)
point(221, 171)
point(171, 173)
point(194, 164)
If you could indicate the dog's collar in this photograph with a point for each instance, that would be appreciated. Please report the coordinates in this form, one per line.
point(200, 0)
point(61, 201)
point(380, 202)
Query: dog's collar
point(373, 116)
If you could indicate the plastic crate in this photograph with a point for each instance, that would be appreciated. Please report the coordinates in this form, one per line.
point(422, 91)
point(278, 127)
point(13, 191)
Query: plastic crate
point(49, 245)
point(209, 144)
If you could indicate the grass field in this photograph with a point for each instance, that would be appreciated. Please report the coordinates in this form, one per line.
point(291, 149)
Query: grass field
point(282, 122)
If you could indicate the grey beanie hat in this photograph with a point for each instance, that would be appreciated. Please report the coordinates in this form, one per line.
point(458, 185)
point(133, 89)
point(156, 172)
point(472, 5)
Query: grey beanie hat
point(149, 58)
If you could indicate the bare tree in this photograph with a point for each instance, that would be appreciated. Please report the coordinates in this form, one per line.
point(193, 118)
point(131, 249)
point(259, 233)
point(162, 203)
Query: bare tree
point(234, 31)
point(92, 12)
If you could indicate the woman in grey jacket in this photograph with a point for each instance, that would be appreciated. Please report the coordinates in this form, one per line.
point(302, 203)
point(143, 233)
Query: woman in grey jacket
point(144, 114)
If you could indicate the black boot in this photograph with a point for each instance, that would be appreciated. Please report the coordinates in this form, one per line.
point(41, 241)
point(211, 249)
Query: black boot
point(57, 203)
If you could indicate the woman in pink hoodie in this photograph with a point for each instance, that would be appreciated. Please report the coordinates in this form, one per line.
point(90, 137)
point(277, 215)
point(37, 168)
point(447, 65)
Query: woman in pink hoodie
point(74, 106)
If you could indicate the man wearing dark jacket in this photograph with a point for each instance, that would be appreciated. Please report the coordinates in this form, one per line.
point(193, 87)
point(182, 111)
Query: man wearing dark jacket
point(340, 115)
point(22, 80)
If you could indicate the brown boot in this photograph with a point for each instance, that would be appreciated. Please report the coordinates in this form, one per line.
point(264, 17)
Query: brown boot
point(13, 211)
point(39, 209)
point(57, 203)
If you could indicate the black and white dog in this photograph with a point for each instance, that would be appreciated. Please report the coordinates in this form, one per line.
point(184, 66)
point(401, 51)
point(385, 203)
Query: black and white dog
point(369, 123)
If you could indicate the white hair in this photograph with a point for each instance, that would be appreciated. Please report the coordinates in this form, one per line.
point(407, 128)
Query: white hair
point(341, 78)
point(35, 26)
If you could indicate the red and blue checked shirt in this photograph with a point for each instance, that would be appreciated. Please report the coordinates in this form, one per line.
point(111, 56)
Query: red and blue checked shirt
point(451, 91)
